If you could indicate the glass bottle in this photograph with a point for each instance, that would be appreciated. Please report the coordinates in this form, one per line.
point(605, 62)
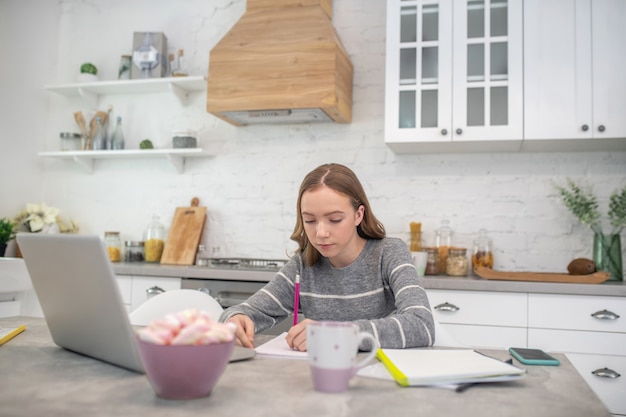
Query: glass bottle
point(171, 65)
point(202, 257)
point(443, 241)
point(457, 264)
point(123, 72)
point(113, 245)
point(433, 263)
point(99, 136)
point(181, 69)
point(416, 237)
point(482, 255)
point(117, 140)
point(154, 240)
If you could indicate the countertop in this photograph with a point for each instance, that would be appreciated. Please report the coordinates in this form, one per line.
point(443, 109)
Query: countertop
point(39, 378)
point(440, 282)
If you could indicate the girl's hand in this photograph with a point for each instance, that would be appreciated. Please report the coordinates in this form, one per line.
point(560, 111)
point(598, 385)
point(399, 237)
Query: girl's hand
point(296, 336)
point(245, 330)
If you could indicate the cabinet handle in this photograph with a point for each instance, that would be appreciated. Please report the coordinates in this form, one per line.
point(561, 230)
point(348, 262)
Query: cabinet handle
point(585, 128)
point(601, 128)
point(154, 290)
point(606, 373)
point(446, 307)
point(444, 132)
point(459, 131)
point(605, 315)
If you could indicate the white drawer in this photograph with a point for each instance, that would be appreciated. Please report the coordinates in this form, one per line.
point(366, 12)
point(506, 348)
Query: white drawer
point(490, 337)
point(577, 341)
point(574, 312)
point(124, 282)
point(142, 284)
point(611, 391)
point(479, 308)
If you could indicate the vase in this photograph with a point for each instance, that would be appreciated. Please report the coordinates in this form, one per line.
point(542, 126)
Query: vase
point(607, 254)
point(3, 248)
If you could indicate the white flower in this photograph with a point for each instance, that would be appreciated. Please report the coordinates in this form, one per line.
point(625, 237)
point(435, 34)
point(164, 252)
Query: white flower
point(37, 217)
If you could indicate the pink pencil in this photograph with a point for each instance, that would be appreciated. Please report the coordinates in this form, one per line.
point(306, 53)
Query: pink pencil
point(296, 300)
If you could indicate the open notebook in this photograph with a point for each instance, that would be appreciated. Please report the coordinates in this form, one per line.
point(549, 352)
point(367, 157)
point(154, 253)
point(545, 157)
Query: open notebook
point(418, 367)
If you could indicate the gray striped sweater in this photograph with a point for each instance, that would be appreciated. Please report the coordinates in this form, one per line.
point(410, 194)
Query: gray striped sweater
point(380, 292)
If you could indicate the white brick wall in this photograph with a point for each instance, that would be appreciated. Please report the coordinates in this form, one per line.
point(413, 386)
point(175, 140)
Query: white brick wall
point(251, 186)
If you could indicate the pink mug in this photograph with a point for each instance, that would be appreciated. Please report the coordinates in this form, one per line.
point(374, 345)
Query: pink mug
point(332, 348)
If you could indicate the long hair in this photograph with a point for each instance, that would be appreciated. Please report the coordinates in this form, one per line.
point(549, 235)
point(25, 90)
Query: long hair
point(342, 180)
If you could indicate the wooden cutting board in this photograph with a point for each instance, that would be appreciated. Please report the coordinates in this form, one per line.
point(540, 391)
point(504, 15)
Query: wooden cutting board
point(595, 278)
point(184, 235)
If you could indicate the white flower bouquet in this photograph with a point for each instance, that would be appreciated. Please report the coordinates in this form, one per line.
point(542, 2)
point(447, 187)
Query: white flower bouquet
point(42, 218)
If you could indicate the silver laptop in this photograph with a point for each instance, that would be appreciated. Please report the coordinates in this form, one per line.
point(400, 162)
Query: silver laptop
point(80, 299)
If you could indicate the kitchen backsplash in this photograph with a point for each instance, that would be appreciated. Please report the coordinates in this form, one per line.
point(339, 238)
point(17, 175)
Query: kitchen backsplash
point(250, 187)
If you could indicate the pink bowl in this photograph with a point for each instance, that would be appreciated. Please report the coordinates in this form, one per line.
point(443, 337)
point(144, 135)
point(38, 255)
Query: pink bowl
point(184, 372)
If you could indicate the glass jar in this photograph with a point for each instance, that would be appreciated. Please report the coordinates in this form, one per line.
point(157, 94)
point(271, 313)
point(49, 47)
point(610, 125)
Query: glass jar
point(202, 258)
point(443, 241)
point(432, 261)
point(482, 255)
point(113, 245)
point(416, 237)
point(154, 240)
point(133, 251)
point(70, 141)
point(457, 263)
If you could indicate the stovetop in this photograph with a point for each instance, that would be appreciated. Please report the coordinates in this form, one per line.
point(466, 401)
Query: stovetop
point(243, 263)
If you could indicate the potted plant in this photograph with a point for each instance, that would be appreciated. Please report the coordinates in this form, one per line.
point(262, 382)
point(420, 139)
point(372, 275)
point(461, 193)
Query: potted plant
point(607, 252)
point(7, 233)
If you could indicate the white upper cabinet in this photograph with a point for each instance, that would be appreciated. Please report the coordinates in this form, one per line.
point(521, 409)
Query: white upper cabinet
point(454, 75)
point(574, 83)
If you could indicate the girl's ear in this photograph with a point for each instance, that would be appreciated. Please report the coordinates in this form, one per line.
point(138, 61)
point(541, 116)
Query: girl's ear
point(358, 216)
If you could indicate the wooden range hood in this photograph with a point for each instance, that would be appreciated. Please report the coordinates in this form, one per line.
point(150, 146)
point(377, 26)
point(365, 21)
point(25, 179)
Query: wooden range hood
point(282, 62)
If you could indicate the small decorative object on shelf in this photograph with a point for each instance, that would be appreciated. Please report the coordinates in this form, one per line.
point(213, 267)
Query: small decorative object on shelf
point(117, 140)
point(88, 72)
point(123, 72)
point(607, 252)
point(181, 69)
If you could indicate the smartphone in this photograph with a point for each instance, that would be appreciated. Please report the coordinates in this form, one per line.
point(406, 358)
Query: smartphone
point(533, 356)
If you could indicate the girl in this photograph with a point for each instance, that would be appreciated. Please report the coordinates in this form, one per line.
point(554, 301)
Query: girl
point(349, 271)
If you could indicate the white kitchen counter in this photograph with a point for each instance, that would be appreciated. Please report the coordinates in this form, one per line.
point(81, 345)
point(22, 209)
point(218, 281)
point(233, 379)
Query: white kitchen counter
point(430, 282)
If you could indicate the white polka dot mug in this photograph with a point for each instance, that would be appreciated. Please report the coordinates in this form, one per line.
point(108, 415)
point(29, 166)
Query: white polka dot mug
point(332, 348)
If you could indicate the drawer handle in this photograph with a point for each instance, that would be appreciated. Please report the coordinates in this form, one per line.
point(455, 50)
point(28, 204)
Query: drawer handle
point(446, 307)
point(154, 290)
point(606, 373)
point(605, 315)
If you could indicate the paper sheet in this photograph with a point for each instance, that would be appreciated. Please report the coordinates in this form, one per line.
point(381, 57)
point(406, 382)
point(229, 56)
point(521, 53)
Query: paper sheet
point(278, 348)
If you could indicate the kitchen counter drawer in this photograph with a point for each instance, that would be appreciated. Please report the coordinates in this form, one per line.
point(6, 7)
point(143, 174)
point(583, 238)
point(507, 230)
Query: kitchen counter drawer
point(491, 337)
point(570, 341)
point(479, 308)
point(610, 390)
point(573, 312)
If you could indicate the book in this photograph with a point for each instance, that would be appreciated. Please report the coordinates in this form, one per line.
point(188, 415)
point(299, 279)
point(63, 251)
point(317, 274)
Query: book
point(278, 348)
point(7, 334)
point(421, 367)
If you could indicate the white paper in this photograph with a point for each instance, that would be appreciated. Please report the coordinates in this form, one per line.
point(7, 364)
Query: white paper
point(278, 348)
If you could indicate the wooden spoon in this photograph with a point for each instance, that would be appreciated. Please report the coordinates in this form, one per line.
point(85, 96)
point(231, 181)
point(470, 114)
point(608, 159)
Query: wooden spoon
point(82, 125)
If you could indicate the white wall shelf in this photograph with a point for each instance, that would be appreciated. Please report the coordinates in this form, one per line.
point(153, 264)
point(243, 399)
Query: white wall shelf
point(176, 157)
point(91, 91)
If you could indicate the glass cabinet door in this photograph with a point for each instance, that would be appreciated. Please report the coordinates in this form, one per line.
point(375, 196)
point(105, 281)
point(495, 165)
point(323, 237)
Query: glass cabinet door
point(453, 71)
point(487, 80)
point(420, 81)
